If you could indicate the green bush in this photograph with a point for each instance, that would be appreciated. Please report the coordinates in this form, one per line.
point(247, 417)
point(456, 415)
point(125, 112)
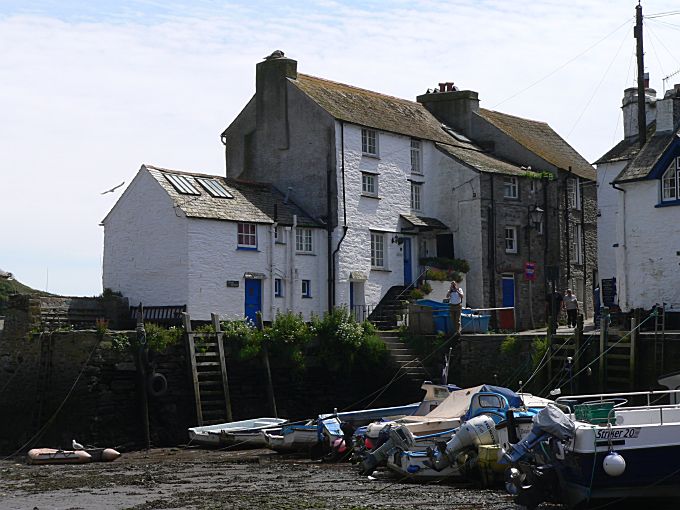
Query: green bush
point(538, 348)
point(158, 338)
point(242, 337)
point(417, 294)
point(511, 346)
point(288, 337)
point(455, 265)
point(438, 275)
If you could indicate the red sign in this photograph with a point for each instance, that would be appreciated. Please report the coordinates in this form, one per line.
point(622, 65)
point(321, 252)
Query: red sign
point(530, 271)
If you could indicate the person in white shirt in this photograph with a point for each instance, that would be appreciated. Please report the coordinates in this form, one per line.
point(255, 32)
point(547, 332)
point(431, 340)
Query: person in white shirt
point(570, 304)
point(455, 297)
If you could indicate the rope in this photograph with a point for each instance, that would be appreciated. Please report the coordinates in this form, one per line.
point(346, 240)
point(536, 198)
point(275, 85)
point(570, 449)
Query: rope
point(42, 429)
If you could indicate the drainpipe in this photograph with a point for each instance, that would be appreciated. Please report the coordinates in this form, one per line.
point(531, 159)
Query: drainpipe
point(291, 251)
point(329, 237)
point(344, 205)
point(624, 273)
point(492, 252)
point(272, 285)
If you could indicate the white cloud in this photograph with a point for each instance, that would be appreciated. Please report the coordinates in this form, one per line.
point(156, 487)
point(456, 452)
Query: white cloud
point(86, 100)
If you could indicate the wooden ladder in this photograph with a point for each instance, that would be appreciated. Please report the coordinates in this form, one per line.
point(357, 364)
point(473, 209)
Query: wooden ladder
point(209, 373)
point(659, 338)
point(620, 361)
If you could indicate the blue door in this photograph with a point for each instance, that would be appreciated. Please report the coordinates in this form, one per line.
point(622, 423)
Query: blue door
point(507, 317)
point(253, 299)
point(408, 276)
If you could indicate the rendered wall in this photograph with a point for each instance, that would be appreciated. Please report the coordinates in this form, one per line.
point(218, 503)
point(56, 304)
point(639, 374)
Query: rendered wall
point(145, 246)
point(607, 204)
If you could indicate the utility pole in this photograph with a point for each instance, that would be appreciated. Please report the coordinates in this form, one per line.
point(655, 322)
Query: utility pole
point(642, 116)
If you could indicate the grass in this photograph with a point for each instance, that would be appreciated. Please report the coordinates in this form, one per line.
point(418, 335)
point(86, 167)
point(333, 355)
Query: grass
point(9, 287)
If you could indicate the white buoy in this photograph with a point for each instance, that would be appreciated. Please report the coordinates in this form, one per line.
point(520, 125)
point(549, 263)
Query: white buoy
point(614, 464)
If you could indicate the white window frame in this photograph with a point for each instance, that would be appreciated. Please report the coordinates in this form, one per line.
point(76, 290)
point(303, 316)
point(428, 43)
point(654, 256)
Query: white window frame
point(576, 254)
point(372, 179)
point(510, 187)
point(303, 240)
point(533, 185)
point(670, 182)
point(246, 236)
point(416, 156)
point(378, 250)
point(306, 288)
point(510, 239)
point(416, 196)
point(369, 142)
point(574, 193)
point(278, 287)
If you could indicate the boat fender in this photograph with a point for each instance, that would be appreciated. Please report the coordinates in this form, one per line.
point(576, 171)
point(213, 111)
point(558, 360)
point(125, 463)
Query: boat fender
point(157, 384)
point(614, 464)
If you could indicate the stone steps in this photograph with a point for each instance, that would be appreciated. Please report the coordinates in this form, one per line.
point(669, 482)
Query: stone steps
point(403, 357)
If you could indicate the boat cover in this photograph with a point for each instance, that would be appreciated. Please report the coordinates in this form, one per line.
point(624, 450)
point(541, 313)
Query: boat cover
point(453, 406)
point(553, 421)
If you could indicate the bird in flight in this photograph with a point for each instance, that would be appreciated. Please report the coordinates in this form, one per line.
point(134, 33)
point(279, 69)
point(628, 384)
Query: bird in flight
point(113, 189)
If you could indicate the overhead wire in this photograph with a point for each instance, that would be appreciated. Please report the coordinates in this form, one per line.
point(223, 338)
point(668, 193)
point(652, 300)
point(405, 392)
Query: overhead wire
point(565, 64)
point(604, 75)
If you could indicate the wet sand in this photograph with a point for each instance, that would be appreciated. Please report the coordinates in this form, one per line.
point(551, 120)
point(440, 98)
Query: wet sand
point(195, 478)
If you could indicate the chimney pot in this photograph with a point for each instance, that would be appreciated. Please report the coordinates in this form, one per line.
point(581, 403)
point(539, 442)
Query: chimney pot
point(645, 78)
point(442, 87)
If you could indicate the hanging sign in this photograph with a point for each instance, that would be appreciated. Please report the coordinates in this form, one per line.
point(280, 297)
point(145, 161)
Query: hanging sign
point(530, 271)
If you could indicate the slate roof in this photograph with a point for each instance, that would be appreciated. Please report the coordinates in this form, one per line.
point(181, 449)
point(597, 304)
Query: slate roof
point(626, 149)
point(253, 201)
point(646, 158)
point(424, 223)
point(374, 110)
point(540, 139)
point(480, 160)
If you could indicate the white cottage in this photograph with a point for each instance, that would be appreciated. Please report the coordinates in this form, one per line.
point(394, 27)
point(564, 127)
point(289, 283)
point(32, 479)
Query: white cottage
point(646, 212)
point(215, 245)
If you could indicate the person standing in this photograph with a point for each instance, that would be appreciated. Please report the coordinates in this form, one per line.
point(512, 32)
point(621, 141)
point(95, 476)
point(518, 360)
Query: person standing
point(455, 297)
point(571, 305)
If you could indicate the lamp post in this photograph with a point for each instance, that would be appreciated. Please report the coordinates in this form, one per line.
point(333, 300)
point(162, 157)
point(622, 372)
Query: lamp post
point(534, 218)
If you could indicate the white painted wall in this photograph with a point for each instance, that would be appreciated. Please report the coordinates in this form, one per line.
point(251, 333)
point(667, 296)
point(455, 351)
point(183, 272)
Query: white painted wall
point(215, 258)
point(647, 261)
point(607, 204)
point(156, 255)
point(145, 246)
point(365, 213)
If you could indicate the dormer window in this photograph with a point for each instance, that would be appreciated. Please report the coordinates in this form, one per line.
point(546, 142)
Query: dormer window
point(670, 182)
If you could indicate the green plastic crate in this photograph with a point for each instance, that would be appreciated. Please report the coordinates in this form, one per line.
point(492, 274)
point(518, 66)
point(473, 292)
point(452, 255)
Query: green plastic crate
point(595, 413)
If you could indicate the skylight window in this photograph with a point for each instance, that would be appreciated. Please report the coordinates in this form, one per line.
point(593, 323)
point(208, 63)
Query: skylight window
point(215, 188)
point(182, 184)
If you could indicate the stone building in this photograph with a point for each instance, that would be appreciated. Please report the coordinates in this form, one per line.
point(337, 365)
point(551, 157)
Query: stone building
point(394, 181)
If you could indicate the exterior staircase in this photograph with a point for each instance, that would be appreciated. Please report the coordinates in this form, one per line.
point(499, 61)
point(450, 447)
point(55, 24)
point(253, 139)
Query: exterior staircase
point(403, 357)
point(390, 310)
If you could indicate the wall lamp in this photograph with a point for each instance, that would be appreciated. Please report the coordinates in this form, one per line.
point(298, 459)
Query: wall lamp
point(397, 239)
point(535, 216)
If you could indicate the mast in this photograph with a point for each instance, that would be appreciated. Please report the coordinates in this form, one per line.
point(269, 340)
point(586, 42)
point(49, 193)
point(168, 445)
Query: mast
point(642, 116)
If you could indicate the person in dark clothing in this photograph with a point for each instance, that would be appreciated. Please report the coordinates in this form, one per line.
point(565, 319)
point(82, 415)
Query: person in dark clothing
point(553, 305)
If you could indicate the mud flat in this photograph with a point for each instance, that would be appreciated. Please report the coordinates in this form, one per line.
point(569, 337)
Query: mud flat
point(202, 479)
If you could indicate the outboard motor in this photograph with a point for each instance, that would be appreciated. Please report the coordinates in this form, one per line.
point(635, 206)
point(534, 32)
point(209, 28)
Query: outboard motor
point(480, 430)
point(400, 438)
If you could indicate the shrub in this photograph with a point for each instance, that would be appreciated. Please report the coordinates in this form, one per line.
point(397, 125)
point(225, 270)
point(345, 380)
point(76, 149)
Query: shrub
point(288, 337)
point(159, 338)
point(438, 275)
point(511, 346)
point(417, 294)
point(456, 265)
point(538, 348)
point(242, 337)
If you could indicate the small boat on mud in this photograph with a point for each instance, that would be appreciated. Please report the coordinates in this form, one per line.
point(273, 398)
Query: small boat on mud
point(596, 447)
point(55, 456)
point(224, 434)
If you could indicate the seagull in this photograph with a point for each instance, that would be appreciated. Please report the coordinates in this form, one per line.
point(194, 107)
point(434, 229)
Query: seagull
point(113, 189)
point(76, 446)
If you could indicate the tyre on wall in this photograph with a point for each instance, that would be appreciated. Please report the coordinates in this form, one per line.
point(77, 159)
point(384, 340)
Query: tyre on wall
point(157, 384)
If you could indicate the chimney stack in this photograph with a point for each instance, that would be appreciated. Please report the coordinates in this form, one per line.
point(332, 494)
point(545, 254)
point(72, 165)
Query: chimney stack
point(629, 107)
point(271, 108)
point(668, 111)
point(451, 106)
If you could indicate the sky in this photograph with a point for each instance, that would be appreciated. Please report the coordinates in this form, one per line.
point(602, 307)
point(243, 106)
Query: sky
point(91, 90)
